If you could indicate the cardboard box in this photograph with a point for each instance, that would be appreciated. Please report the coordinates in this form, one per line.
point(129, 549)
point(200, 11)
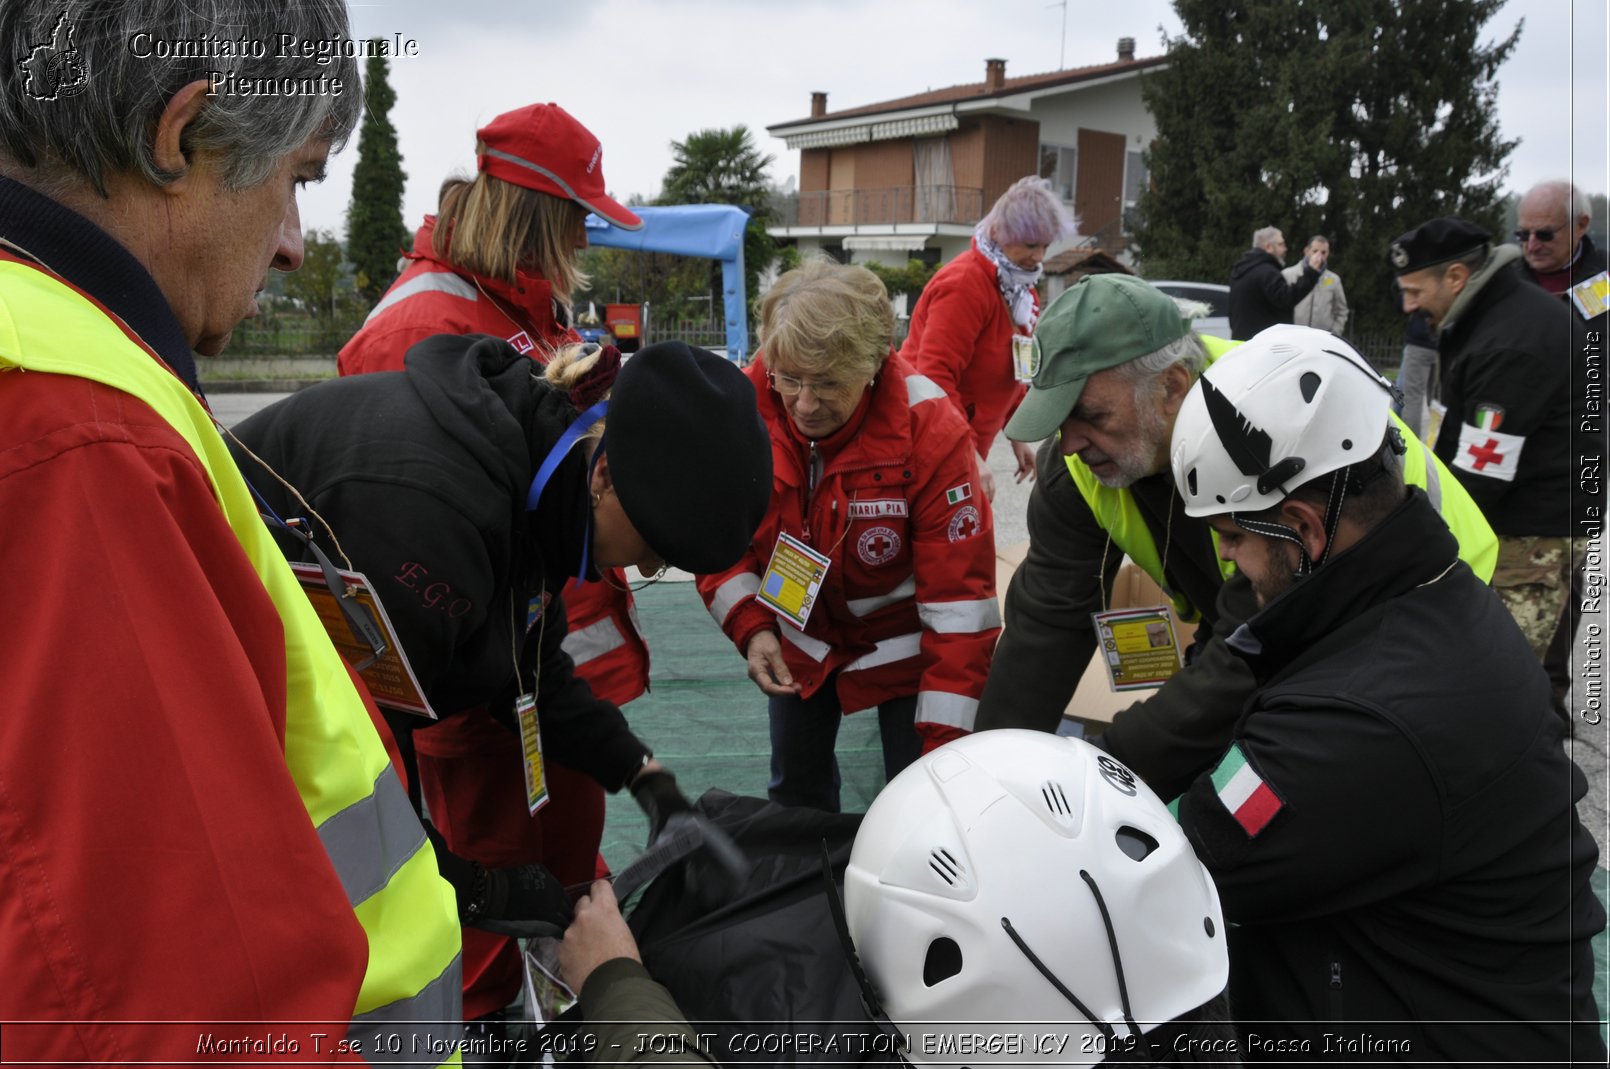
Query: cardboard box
point(1094, 701)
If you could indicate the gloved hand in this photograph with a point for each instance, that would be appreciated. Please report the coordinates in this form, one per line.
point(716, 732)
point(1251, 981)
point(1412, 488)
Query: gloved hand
point(525, 901)
point(657, 793)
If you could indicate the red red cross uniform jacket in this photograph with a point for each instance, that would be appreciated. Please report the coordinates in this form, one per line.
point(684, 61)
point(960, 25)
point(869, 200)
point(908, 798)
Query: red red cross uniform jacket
point(481, 815)
point(908, 605)
point(961, 338)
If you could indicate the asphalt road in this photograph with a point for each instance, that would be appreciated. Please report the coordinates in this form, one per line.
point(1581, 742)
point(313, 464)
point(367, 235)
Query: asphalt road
point(1589, 746)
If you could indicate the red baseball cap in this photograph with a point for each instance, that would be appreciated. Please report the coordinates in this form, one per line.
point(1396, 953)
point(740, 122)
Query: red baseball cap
point(543, 147)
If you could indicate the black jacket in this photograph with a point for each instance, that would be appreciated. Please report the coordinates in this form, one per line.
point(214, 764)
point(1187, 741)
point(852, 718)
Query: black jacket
point(1425, 863)
point(1509, 347)
point(1067, 575)
point(1260, 296)
point(422, 475)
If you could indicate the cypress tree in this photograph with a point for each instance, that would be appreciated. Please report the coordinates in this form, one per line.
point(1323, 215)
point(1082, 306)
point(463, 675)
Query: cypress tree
point(375, 231)
point(1357, 119)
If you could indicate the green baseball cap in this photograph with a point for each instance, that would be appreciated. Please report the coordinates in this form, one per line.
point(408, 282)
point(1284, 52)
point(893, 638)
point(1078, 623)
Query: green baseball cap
point(1101, 322)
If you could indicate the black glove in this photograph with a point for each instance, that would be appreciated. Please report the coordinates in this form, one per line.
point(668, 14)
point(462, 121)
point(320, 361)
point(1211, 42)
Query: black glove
point(656, 792)
point(525, 901)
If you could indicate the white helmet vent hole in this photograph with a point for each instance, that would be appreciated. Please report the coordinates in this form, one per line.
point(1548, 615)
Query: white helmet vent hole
point(943, 960)
point(1309, 385)
point(1190, 481)
point(1135, 843)
point(1056, 800)
point(945, 865)
point(1207, 926)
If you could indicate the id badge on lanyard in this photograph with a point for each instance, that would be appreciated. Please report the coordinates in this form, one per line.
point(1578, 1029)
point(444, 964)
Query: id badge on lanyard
point(1025, 360)
point(1138, 646)
point(536, 783)
point(793, 580)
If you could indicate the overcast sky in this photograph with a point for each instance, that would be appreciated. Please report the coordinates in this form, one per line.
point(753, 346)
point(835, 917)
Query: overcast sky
point(642, 73)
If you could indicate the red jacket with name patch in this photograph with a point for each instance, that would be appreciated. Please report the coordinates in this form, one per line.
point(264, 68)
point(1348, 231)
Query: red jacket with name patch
point(434, 297)
point(908, 604)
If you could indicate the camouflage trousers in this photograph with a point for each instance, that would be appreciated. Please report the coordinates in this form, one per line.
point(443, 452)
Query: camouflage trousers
point(1533, 580)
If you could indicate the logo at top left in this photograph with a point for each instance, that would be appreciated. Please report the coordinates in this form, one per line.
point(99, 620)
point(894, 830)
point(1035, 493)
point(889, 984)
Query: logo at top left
point(54, 70)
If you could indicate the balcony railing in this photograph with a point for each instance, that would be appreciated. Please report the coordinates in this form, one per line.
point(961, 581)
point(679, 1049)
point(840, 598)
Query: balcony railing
point(881, 207)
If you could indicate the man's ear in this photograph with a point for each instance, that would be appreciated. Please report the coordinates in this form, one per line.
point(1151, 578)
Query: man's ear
point(1308, 520)
point(168, 147)
point(1177, 383)
point(1456, 276)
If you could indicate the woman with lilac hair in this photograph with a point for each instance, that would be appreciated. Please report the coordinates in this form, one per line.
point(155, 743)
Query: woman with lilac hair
point(971, 329)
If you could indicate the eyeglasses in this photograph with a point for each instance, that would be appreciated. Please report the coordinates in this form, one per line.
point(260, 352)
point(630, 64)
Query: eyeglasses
point(827, 390)
point(1544, 233)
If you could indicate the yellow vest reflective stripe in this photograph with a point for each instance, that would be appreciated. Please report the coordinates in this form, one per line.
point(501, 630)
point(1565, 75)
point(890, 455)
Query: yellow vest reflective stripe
point(336, 759)
point(1116, 511)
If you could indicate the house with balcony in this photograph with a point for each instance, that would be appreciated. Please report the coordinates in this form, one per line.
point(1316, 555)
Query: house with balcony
point(910, 178)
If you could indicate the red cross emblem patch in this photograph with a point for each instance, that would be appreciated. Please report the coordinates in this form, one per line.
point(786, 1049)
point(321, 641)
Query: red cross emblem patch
point(877, 545)
point(1488, 452)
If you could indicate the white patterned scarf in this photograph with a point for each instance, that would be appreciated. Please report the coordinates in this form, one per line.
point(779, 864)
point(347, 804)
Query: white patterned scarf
point(1017, 285)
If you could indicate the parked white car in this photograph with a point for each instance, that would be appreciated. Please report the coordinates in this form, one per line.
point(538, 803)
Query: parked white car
point(1211, 296)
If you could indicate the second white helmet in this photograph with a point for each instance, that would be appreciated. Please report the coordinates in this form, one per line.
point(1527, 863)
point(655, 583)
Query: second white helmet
point(1292, 404)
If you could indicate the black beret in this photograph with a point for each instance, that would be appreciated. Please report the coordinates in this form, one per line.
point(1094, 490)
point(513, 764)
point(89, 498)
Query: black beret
point(689, 455)
point(1436, 242)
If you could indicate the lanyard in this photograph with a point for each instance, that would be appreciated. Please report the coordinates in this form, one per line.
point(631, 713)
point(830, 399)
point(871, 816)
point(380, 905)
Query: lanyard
point(550, 463)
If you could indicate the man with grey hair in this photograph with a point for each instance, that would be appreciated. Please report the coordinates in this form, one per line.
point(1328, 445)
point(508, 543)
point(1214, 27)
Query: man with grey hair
point(1260, 296)
point(1551, 228)
point(1115, 361)
point(200, 820)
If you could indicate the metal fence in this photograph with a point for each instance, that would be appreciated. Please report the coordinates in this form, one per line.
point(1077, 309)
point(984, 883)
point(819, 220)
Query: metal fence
point(884, 206)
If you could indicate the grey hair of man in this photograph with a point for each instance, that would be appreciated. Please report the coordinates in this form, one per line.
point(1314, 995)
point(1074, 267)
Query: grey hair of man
point(103, 127)
point(1564, 191)
point(1264, 236)
point(1144, 373)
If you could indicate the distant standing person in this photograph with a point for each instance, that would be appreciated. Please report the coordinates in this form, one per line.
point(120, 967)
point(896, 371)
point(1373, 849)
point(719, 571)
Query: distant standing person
point(971, 328)
point(1325, 306)
point(1552, 231)
point(1260, 296)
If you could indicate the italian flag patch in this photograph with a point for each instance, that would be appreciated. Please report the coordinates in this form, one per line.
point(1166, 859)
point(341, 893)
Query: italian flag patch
point(957, 494)
point(1251, 801)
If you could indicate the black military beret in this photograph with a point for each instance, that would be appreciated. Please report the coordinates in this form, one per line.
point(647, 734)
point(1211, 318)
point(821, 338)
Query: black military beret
point(1436, 242)
point(689, 455)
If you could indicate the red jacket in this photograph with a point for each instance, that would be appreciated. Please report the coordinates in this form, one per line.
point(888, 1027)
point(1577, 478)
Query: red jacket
point(433, 297)
point(908, 605)
point(961, 338)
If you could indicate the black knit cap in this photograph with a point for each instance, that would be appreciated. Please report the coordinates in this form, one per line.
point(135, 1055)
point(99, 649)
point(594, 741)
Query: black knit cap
point(1436, 242)
point(688, 454)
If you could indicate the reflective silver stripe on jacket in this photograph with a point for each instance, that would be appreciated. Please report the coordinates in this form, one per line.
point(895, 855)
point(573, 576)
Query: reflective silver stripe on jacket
point(943, 707)
point(868, 606)
point(372, 838)
point(430, 282)
point(959, 617)
point(421, 1030)
point(729, 594)
point(1433, 481)
point(888, 651)
point(814, 648)
point(593, 641)
point(920, 388)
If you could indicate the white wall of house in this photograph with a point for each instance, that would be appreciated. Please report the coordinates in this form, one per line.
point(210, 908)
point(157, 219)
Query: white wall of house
point(1116, 108)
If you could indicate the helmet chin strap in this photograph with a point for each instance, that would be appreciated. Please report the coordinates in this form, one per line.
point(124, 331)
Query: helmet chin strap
point(1306, 565)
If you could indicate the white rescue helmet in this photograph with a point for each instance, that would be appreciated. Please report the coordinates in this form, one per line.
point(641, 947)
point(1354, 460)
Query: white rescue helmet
point(1016, 878)
point(1286, 407)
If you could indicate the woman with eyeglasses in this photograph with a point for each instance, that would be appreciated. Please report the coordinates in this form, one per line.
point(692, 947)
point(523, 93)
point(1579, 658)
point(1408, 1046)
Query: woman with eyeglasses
point(470, 488)
point(871, 581)
point(971, 330)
